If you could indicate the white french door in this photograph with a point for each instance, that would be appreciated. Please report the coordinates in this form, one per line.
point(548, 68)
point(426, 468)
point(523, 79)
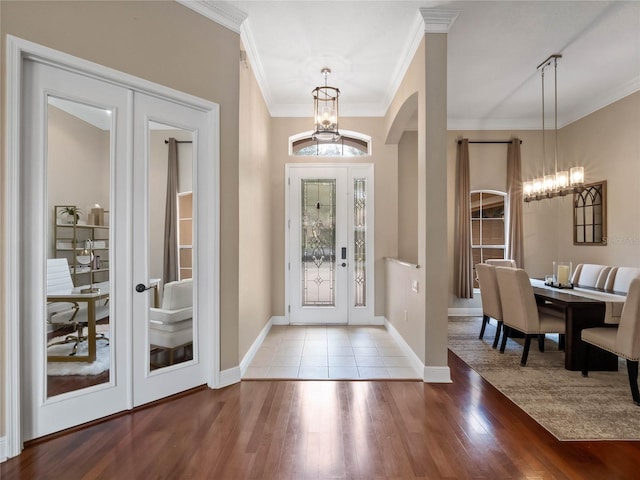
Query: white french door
point(86, 139)
point(155, 119)
point(329, 244)
point(49, 95)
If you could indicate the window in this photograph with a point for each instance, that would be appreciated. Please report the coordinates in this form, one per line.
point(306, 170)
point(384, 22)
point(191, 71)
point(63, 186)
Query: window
point(487, 227)
point(350, 144)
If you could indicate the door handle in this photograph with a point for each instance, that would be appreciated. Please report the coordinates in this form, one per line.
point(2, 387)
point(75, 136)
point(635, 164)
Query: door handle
point(344, 264)
point(141, 287)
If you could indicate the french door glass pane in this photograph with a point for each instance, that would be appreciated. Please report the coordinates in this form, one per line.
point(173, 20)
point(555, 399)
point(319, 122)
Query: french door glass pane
point(359, 241)
point(318, 242)
point(78, 323)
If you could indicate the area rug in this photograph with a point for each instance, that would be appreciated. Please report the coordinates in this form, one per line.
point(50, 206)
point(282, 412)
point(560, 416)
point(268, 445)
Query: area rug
point(101, 364)
point(568, 405)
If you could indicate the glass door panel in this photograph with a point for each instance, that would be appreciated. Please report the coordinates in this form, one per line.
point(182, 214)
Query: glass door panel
point(318, 234)
point(78, 327)
point(170, 234)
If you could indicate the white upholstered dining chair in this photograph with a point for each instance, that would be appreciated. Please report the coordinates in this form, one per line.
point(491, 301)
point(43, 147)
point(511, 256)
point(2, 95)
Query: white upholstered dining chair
point(520, 311)
point(622, 340)
point(619, 278)
point(490, 295)
point(501, 262)
point(590, 275)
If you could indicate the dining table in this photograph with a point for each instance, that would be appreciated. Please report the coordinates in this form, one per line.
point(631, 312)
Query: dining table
point(582, 307)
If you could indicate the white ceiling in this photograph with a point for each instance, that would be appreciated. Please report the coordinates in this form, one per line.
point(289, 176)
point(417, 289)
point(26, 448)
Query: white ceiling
point(494, 48)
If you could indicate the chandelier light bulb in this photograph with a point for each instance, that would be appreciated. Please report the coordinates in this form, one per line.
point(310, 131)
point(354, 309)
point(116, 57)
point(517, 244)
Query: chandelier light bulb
point(577, 176)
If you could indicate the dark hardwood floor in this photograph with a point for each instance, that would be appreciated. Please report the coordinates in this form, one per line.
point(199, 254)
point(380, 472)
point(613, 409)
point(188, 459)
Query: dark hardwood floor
point(326, 430)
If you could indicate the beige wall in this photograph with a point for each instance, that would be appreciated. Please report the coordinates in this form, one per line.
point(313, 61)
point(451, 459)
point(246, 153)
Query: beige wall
point(384, 158)
point(408, 197)
point(425, 328)
point(255, 226)
point(607, 143)
point(407, 102)
point(171, 45)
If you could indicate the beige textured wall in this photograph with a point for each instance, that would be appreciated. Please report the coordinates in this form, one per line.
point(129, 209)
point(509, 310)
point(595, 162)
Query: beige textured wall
point(169, 44)
point(408, 197)
point(412, 329)
point(255, 227)
point(384, 157)
point(607, 143)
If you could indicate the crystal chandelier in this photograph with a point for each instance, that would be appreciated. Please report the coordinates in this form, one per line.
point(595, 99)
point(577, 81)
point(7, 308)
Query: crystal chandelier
point(558, 182)
point(325, 111)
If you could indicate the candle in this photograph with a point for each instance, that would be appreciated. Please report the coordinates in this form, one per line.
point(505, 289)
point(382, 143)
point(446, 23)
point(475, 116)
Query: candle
point(563, 274)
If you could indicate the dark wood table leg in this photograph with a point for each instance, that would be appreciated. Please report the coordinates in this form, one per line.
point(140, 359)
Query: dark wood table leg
point(578, 318)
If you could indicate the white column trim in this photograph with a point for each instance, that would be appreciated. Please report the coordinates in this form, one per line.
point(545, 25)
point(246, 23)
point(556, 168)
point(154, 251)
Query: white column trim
point(438, 20)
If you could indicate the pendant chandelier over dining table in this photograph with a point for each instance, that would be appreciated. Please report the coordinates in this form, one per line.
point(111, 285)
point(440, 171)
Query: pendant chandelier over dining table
point(557, 182)
point(325, 111)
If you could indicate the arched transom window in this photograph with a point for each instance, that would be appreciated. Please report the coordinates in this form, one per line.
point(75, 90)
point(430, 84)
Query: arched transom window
point(350, 144)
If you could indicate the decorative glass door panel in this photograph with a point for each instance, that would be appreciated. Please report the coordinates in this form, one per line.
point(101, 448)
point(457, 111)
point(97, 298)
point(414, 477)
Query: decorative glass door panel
point(318, 242)
point(330, 240)
point(360, 241)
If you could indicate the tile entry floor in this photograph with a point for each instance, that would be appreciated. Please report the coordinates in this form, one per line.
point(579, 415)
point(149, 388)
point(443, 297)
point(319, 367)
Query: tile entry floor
point(330, 352)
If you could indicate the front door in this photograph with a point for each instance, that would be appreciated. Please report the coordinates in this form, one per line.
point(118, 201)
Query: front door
point(330, 244)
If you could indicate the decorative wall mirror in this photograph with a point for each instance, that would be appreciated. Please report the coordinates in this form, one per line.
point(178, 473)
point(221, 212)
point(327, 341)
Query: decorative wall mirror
point(590, 215)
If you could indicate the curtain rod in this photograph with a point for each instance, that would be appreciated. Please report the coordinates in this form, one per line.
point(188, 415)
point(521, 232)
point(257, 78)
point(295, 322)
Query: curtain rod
point(488, 141)
point(180, 141)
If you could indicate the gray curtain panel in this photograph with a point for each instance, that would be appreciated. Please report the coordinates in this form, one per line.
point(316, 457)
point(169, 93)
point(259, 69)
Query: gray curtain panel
point(170, 267)
point(463, 256)
point(515, 242)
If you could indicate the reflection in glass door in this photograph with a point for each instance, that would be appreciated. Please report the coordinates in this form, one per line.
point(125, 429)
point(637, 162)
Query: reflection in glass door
point(78, 327)
point(170, 245)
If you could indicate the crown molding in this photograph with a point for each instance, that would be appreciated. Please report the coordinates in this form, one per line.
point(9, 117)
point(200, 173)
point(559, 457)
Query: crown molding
point(416, 34)
point(220, 12)
point(438, 20)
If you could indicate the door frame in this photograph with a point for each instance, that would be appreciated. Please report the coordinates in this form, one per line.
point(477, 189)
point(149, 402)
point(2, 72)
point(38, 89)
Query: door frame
point(17, 51)
point(368, 316)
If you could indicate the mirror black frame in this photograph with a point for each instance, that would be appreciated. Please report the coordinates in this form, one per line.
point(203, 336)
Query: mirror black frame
point(590, 214)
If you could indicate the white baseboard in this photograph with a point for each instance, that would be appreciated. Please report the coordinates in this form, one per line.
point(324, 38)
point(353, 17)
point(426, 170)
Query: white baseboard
point(279, 321)
point(436, 375)
point(255, 346)
point(416, 363)
point(229, 377)
point(465, 312)
point(375, 321)
point(3, 449)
